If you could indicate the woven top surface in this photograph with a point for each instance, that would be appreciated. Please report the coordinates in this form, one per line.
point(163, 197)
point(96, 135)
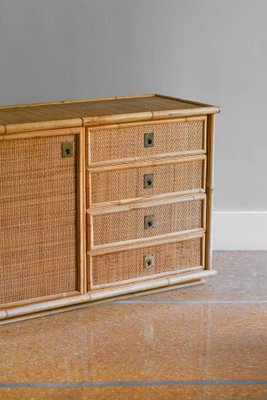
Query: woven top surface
point(79, 111)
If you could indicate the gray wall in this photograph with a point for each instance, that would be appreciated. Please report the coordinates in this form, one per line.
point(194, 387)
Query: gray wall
point(208, 50)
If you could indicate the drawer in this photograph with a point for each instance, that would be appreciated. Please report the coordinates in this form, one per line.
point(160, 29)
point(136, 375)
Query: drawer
point(146, 221)
point(143, 263)
point(142, 140)
point(185, 176)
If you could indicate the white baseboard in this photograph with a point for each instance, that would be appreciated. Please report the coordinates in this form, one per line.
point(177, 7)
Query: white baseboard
point(239, 230)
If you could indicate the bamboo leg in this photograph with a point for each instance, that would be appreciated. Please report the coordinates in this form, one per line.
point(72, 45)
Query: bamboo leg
point(210, 168)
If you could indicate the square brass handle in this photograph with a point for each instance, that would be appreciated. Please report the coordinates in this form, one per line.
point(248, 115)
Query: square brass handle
point(148, 181)
point(149, 221)
point(149, 261)
point(149, 139)
point(67, 149)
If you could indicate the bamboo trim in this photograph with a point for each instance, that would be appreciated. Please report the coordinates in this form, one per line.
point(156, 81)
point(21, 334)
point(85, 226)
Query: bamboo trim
point(89, 224)
point(89, 262)
point(147, 278)
point(118, 203)
point(210, 168)
point(81, 222)
point(159, 157)
point(147, 162)
point(203, 251)
point(147, 123)
point(187, 101)
point(204, 174)
point(168, 199)
point(149, 115)
point(37, 126)
point(183, 112)
point(104, 294)
point(85, 305)
point(205, 134)
point(107, 119)
point(50, 297)
point(42, 133)
point(147, 242)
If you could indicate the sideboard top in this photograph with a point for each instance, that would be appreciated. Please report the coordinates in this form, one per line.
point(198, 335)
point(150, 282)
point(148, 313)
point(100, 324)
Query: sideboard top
point(90, 112)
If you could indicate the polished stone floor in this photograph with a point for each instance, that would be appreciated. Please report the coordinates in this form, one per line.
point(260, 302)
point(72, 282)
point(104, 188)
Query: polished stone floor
point(206, 342)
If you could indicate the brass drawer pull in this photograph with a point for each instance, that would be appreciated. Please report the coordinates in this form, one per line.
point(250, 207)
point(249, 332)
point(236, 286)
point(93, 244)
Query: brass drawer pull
point(67, 149)
point(148, 261)
point(148, 181)
point(149, 139)
point(149, 221)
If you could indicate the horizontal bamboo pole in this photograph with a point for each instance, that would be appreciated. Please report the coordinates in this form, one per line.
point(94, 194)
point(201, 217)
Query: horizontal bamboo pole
point(148, 123)
point(147, 278)
point(184, 112)
point(42, 133)
point(151, 202)
point(148, 242)
point(149, 115)
point(50, 297)
point(148, 162)
point(187, 101)
point(85, 305)
point(108, 119)
point(104, 294)
point(164, 156)
point(166, 196)
point(42, 125)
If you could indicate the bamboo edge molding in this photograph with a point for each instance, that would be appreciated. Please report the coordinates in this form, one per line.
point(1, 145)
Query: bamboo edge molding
point(103, 199)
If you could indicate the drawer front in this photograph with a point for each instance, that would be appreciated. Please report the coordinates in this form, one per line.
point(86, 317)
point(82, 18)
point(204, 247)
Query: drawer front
point(130, 183)
point(147, 140)
point(109, 269)
point(147, 222)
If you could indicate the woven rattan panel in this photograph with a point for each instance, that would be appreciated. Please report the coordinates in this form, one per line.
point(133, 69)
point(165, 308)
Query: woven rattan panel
point(129, 183)
point(120, 266)
point(128, 225)
point(128, 142)
point(38, 218)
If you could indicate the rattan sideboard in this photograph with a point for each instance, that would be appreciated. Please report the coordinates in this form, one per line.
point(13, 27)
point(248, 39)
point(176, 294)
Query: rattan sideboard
point(103, 199)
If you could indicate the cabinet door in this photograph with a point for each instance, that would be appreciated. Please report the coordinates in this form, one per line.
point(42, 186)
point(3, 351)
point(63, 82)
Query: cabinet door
point(39, 217)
